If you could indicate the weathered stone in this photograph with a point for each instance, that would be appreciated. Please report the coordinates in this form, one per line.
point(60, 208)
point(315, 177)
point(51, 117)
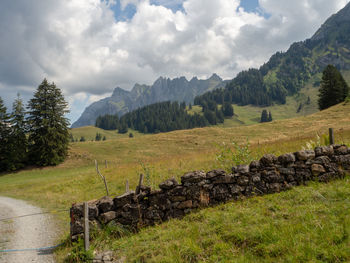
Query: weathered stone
point(185, 204)
point(317, 169)
point(143, 189)
point(243, 169)
point(287, 171)
point(341, 150)
point(76, 228)
point(77, 210)
point(220, 192)
point(124, 199)
point(168, 184)
point(324, 150)
point(235, 189)
point(272, 177)
point(268, 160)
point(193, 192)
point(108, 216)
point(256, 178)
point(242, 180)
point(326, 177)
point(178, 190)
point(274, 187)
point(226, 179)
point(215, 173)
point(193, 177)
point(302, 175)
point(154, 214)
point(287, 158)
point(105, 204)
point(177, 198)
point(305, 155)
point(254, 165)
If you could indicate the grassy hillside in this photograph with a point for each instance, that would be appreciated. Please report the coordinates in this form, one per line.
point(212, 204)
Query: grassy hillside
point(89, 132)
point(161, 156)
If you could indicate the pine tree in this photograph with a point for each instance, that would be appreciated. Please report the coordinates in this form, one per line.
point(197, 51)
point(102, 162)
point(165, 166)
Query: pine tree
point(19, 141)
point(270, 117)
point(5, 133)
point(264, 116)
point(98, 137)
point(48, 128)
point(333, 88)
point(227, 109)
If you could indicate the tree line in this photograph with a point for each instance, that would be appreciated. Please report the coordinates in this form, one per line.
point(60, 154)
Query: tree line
point(164, 117)
point(38, 136)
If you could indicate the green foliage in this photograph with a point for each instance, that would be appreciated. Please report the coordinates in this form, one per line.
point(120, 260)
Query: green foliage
point(320, 140)
point(131, 135)
point(159, 117)
point(98, 137)
point(104, 138)
point(48, 127)
point(5, 134)
point(82, 139)
point(233, 154)
point(78, 253)
point(19, 142)
point(227, 109)
point(334, 88)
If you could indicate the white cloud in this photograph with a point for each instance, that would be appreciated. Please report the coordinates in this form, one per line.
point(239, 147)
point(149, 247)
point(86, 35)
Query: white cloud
point(79, 44)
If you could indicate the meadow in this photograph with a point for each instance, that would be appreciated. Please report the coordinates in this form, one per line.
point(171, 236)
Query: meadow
point(295, 226)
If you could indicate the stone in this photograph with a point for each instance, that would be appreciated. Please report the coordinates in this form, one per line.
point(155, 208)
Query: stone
point(341, 150)
point(177, 198)
point(178, 190)
point(268, 160)
point(215, 173)
point(204, 198)
point(77, 210)
point(256, 178)
point(108, 217)
point(220, 192)
point(226, 179)
point(286, 171)
point(193, 177)
point(235, 189)
point(168, 184)
point(317, 169)
point(243, 169)
point(305, 155)
point(77, 228)
point(254, 165)
point(185, 204)
point(242, 180)
point(105, 204)
point(124, 199)
point(324, 150)
point(287, 158)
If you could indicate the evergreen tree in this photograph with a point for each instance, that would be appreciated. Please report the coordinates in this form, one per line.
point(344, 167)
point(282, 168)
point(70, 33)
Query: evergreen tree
point(104, 138)
point(48, 128)
point(82, 139)
point(227, 109)
point(333, 88)
point(19, 143)
point(5, 133)
point(270, 117)
point(98, 137)
point(123, 128)
point(264, 116)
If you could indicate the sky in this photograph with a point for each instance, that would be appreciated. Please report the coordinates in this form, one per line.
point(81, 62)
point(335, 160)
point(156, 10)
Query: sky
point(89, 47)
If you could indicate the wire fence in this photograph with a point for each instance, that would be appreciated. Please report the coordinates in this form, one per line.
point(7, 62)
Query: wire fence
point(48, 248)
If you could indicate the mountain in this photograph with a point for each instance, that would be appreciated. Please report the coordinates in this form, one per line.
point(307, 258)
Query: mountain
point(163, 89)
point(286, 73)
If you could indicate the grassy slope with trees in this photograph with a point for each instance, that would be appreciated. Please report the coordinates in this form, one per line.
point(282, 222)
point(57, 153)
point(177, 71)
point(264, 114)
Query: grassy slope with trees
point(162, 156)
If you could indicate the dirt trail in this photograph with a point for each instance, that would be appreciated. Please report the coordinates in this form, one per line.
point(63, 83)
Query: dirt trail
point(25, 232)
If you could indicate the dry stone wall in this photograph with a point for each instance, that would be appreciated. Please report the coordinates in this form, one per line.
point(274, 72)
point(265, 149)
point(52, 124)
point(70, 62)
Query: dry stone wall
point(197, 189)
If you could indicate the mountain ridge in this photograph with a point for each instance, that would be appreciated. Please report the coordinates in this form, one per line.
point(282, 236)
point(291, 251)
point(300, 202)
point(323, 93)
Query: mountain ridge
point(163, 89)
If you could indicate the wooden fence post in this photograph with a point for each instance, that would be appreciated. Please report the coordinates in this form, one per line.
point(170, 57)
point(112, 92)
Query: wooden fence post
point(331, 136)
point(86, 226)
point(106, 165)
point(103, 178)
point(127, 186)
point(138, 189)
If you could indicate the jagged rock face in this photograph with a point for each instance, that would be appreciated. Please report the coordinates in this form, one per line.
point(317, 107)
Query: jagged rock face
point(163, 89)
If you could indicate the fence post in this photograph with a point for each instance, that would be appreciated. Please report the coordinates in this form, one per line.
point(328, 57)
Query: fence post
point(138, 189)
point(331, 136)
point(106, 166)
point(86, 226)
point(127, 186)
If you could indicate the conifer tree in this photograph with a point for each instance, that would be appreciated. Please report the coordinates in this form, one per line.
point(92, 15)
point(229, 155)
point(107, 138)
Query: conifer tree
point(270, 117)
point(18, 139)
point(333, 88)
point(227, 109)
point(48, 128)
point(5, 133)
point(264, 116)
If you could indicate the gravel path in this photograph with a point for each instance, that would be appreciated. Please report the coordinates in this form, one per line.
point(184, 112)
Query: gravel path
point(25, 232)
